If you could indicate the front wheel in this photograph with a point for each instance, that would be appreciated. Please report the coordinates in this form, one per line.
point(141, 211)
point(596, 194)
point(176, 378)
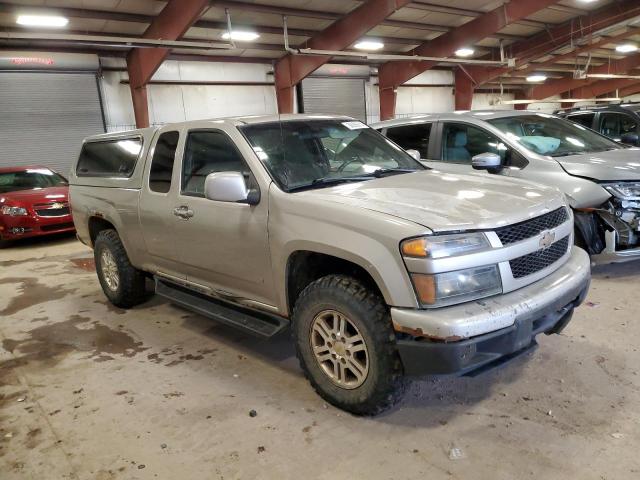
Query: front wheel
point(122, 283)
point(346, 345)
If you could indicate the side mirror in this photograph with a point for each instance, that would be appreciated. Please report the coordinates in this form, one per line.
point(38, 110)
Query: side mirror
point(229, 187)
point(414, 153)
point(486, 161)
point(630, 139)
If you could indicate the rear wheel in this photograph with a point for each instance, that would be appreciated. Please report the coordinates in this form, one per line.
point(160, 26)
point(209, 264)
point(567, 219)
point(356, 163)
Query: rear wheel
point(346, 345)
point(122, 283)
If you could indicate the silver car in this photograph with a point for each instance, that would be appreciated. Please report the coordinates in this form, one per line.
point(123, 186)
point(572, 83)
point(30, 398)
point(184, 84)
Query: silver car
point(599, 177)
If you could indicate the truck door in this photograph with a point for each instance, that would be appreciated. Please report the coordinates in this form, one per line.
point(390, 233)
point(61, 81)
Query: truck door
point(160, 187)
point(224, 246)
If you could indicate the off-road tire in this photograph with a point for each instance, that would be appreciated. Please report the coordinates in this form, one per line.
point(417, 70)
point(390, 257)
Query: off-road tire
point(131, 288)
point(385, 384)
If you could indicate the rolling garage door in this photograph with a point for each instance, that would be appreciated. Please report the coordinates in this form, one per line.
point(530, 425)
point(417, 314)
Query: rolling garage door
point(339, 96)
point(45, 116)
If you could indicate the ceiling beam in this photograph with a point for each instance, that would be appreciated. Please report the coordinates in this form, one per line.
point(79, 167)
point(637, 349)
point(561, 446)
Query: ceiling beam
point(170, 24)
point(601, 87)
point(549, 40)
point(291, 69)
point(395, 73)
point(322, 15)
point(463, 12)
point(630, 90)
point(95, 14)
point(577, 51)
point(556, 87)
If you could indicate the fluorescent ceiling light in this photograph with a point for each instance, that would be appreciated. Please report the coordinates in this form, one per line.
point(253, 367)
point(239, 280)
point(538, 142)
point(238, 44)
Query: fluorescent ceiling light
point(537, 77)
point(464, 52)
point(626, 48)
point(42, 21)
point(369, 45)
point(241, 36)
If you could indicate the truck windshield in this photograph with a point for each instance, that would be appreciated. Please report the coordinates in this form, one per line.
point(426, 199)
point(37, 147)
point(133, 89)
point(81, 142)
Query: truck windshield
point(548, 135)
point(313, 153)
point(30, 179)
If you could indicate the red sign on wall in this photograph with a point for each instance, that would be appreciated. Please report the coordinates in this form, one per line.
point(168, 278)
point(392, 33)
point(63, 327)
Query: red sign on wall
point(31, 60)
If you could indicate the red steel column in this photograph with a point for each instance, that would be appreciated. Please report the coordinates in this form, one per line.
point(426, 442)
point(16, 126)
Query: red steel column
point(140, 105)
point(463, 91)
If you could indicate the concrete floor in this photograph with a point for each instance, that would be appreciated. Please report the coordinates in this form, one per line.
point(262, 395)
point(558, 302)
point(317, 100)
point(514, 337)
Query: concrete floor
point(89, 391)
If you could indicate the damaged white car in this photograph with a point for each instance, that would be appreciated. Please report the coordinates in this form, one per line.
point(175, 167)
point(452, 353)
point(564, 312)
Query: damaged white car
point(600, 178)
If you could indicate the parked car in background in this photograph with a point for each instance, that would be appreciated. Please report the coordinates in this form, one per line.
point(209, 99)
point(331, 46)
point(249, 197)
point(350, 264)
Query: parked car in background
point(33, 201)
point(618, 122)
point(381, 267)
point(599, 177)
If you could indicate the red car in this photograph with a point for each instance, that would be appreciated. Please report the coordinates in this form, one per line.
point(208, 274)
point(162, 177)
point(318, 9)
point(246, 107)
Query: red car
point(33, 201)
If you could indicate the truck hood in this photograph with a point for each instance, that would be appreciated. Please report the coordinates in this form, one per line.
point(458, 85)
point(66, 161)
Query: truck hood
point(620, 165)
point(447, 202)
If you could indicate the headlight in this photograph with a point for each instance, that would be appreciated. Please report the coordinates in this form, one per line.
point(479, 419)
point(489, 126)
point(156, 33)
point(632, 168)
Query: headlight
point(441, 246)
point(14, 211)
point(625, 191)
point(442, 289)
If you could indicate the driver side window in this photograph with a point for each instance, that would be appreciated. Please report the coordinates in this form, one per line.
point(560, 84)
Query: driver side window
point(208, 151)
point(461, 142)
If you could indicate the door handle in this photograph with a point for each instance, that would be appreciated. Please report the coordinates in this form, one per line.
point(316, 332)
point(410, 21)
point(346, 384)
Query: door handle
point(183, 212)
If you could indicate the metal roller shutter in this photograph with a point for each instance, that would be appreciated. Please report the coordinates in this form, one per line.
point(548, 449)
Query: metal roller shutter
point(45, 116)
point(339, 96)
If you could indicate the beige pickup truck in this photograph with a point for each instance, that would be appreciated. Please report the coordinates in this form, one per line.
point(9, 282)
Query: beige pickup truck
point(380, 267)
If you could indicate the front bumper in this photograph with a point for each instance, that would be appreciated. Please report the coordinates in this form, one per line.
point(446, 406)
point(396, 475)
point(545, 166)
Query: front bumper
point(13, 228)
point(611, 255)
point(472, 335)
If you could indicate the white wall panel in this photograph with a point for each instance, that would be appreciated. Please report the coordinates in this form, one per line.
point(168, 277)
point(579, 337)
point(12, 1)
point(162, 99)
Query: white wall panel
point(547, 106)
point(413, 100)
point(490, 101)
point(175, 103)
point(431, 77)
point(166, 104)
point(227, 100)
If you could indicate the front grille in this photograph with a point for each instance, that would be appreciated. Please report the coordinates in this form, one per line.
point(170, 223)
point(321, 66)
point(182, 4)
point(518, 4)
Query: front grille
point(58, 226)
point(54, 212)
point(531, 228)
point(536, 261)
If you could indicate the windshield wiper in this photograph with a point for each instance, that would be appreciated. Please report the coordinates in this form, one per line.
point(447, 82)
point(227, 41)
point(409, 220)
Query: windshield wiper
point(566, 154)
point(328, 181)
point(384, 171)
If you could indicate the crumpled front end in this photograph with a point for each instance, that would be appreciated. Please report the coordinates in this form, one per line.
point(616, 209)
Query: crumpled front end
point(612, 232)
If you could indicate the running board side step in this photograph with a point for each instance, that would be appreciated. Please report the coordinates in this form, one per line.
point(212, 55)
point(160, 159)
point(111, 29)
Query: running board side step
point(251, 321)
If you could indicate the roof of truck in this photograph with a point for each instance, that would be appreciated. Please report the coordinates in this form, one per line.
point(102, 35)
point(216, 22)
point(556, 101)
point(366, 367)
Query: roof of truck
point(480, 115)
point(235, 121)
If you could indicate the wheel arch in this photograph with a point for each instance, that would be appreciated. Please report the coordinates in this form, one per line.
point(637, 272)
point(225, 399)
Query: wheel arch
point(304, 266)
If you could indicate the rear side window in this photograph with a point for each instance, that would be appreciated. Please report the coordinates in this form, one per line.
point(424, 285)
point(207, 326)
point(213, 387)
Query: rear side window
point(208, 151)
point(109, 158)
point(164, 156)
point(585, 119)
point(414, 137)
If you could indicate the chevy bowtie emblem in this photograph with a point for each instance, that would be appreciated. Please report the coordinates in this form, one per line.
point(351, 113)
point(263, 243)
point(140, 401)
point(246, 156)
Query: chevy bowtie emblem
point(547, 239)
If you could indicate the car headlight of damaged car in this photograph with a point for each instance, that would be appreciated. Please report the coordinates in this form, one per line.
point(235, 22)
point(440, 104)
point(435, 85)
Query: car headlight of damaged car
point(623, 190)
point(14, 211)
point(449, 288)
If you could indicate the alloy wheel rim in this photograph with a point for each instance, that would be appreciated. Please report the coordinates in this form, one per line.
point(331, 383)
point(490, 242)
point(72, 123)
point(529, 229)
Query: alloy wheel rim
point(339, 349)
point(110, 270)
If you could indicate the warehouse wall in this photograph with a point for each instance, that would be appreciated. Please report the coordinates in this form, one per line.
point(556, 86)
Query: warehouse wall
point(175, 103)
